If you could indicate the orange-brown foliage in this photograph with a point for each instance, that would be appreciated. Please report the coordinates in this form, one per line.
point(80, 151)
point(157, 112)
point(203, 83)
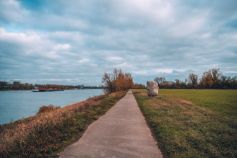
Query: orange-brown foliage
point(117, 81)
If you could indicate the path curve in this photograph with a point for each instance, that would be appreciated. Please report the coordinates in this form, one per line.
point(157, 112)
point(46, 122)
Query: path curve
point(121, 133)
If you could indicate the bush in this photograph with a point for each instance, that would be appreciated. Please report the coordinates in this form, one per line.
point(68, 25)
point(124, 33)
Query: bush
point(48, 108)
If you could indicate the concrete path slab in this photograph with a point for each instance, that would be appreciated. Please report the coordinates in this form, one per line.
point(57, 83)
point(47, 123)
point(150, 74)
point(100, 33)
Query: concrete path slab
point(121, 133)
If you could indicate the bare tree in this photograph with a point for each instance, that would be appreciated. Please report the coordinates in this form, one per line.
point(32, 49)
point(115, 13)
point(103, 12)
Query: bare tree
point(160, 80)
point(211, 78)
point(108, 83)
point(193, 80)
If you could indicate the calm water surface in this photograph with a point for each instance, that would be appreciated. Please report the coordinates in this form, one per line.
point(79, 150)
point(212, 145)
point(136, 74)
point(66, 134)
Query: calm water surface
point(15, 105)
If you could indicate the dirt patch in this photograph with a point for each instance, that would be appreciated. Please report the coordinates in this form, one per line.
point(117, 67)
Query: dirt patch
point(182, 101)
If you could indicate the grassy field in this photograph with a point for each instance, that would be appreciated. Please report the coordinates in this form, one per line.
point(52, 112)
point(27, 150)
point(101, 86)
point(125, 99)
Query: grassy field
point(192, 123)
point(46, 134)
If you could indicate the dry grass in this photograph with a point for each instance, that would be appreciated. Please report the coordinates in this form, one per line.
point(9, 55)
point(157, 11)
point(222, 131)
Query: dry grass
point(46, 133)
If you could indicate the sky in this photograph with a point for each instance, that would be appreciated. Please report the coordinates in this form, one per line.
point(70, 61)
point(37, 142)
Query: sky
point(76, 41)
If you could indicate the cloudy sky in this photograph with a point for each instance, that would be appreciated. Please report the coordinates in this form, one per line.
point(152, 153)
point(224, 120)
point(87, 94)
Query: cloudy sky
point(76, 41)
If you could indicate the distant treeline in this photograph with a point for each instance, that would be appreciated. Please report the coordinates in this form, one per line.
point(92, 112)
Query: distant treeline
point(213, 79)
point(16, 85)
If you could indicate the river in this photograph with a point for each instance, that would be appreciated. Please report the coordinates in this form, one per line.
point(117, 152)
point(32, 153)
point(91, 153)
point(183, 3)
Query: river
point(15, 105)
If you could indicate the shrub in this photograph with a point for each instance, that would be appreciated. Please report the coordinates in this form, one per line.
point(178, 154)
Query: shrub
point(48, 108)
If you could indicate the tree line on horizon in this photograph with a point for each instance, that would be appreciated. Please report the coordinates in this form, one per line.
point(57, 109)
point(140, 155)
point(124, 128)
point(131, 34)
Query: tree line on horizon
point(17, 85)
point(211, 79)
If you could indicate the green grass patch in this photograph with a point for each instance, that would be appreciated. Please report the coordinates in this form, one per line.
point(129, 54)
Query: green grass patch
point(48, 133)
point(192, 123)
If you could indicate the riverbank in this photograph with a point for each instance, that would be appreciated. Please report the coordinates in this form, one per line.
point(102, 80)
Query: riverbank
point(192, 123)
point(44, 135)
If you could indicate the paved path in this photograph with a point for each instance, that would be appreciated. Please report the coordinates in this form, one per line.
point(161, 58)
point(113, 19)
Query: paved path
point(121, 133)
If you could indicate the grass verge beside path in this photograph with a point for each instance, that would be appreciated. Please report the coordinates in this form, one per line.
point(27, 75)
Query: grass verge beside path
point(46, 134)
point(192, 123)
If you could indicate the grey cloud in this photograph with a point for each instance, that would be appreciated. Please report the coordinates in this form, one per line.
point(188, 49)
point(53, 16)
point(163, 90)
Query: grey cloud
point(83, 39)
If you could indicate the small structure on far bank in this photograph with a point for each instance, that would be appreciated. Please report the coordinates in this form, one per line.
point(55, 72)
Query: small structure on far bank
point(152, 88)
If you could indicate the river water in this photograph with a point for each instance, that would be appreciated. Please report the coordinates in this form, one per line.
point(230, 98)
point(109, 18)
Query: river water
point(15, 105)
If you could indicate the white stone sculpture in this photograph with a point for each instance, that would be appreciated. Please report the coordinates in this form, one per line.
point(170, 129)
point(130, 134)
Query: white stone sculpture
point(152, 88)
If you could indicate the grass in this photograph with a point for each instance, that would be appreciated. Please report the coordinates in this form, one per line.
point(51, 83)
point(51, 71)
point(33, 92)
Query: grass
point(46, 134)
point(192, 123)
